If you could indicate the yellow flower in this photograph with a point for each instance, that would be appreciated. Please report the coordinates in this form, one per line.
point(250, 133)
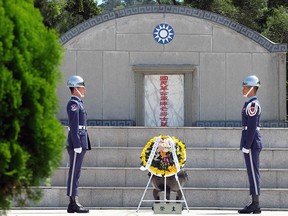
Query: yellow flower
point(172, 168)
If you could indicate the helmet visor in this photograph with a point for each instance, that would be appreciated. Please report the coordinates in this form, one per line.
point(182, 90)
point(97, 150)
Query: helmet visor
point(81, 84)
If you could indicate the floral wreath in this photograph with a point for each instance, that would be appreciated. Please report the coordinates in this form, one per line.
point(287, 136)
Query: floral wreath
point(158, 156)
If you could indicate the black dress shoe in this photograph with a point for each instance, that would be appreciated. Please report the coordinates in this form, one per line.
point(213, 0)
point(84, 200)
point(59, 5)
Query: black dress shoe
point(75, 207)
point(252, 208)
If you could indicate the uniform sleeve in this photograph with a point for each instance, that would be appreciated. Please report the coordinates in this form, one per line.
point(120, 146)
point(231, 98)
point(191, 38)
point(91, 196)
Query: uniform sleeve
point(252, 112)
point(73, 116)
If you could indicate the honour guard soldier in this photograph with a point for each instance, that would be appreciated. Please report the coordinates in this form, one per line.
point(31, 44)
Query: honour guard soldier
point(251, 143)
point(78, 140)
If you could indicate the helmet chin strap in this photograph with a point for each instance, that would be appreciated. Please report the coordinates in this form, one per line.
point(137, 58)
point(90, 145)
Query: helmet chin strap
point(81, 95)
point(246, 95)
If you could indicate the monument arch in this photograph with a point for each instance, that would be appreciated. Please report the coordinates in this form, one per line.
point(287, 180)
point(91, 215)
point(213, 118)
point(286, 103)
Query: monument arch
point(207, 54)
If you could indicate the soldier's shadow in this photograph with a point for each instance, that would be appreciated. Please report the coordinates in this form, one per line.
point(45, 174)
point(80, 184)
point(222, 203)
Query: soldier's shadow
point(236, 213)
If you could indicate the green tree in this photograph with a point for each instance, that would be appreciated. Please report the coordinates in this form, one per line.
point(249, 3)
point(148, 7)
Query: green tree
point(200, 4)
point(250, 13)
point(168, 2)
point(225, 8)
point(277, 25)
point(130, 3)
point(277, 3)
point(50, 10)
point(75, 12)
point(85, 8)
point(110, 5)
point(31, 137)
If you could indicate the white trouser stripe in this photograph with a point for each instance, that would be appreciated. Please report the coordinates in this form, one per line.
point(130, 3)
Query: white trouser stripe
point(72, 174)
point(253, 173)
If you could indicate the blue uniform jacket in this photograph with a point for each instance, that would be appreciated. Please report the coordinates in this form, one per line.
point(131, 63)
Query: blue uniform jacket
point(77, 116)
point(251, 112)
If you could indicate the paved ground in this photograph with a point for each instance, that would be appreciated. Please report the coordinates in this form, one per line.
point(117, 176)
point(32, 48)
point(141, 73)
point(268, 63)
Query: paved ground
point(139, 213)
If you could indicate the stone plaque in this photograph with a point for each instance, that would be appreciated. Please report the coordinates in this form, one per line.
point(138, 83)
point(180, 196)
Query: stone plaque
point(167, 208)
point(164, 100)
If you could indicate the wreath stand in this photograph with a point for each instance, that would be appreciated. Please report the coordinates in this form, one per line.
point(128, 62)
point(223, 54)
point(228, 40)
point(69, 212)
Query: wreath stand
point(172, 208)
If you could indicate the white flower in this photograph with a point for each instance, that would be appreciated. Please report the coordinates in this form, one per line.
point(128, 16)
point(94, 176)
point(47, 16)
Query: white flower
point(164, 146)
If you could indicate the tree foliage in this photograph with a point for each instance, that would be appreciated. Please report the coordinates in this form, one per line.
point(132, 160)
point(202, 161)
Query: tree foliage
point(200, 4)
point(50, 11)
point(63, 15)
point(225, 8)
point(250, 13)
point(85, 8)
point(276, 27)
point(130, 3)
point(277, 3)
point(110, 5)
point(31, 137)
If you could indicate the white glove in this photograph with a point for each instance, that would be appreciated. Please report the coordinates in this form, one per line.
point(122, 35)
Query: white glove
point(244, 150)
point(78, 150)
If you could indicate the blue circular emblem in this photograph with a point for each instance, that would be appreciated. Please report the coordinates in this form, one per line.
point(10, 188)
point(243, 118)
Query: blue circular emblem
point(163, 33)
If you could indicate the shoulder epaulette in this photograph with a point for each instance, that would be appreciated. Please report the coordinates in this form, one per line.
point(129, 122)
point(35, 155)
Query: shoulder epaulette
point(252, 108)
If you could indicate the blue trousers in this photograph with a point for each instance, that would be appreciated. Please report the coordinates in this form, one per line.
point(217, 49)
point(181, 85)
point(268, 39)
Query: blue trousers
point(252, 165)
point(74, 171)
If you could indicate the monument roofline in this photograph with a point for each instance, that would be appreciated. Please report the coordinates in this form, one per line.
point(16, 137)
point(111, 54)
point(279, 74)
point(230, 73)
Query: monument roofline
point(180, 10)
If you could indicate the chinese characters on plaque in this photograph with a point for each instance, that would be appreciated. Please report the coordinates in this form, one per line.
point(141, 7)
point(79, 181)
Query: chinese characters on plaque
point(167, 208)
point(164, 100)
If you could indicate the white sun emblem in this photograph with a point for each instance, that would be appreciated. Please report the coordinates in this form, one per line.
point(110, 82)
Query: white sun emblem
point(163, 33)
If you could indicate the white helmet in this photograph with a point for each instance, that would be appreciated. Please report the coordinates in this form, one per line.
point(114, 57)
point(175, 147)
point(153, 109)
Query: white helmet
point(75, 81)
point(251, 80)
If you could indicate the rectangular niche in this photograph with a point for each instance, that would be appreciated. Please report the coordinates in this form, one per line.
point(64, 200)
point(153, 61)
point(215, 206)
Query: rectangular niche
point(163, 95)
point(164, 100)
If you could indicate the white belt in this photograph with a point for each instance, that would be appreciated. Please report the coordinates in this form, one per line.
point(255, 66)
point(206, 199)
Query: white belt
point(81, 127)
point(245, 128)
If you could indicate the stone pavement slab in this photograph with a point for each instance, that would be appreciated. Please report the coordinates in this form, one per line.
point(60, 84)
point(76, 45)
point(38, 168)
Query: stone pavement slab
point(139, 213)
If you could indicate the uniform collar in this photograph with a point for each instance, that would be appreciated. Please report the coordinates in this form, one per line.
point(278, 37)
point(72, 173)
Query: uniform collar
point(75, 97)
point(251, 98)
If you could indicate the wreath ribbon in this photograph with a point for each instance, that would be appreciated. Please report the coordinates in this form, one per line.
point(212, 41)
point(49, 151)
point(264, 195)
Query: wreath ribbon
point(153, 151)
point(175, 159)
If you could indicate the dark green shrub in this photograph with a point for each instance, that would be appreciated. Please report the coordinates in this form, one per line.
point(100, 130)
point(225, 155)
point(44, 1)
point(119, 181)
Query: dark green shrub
point(31, 137)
